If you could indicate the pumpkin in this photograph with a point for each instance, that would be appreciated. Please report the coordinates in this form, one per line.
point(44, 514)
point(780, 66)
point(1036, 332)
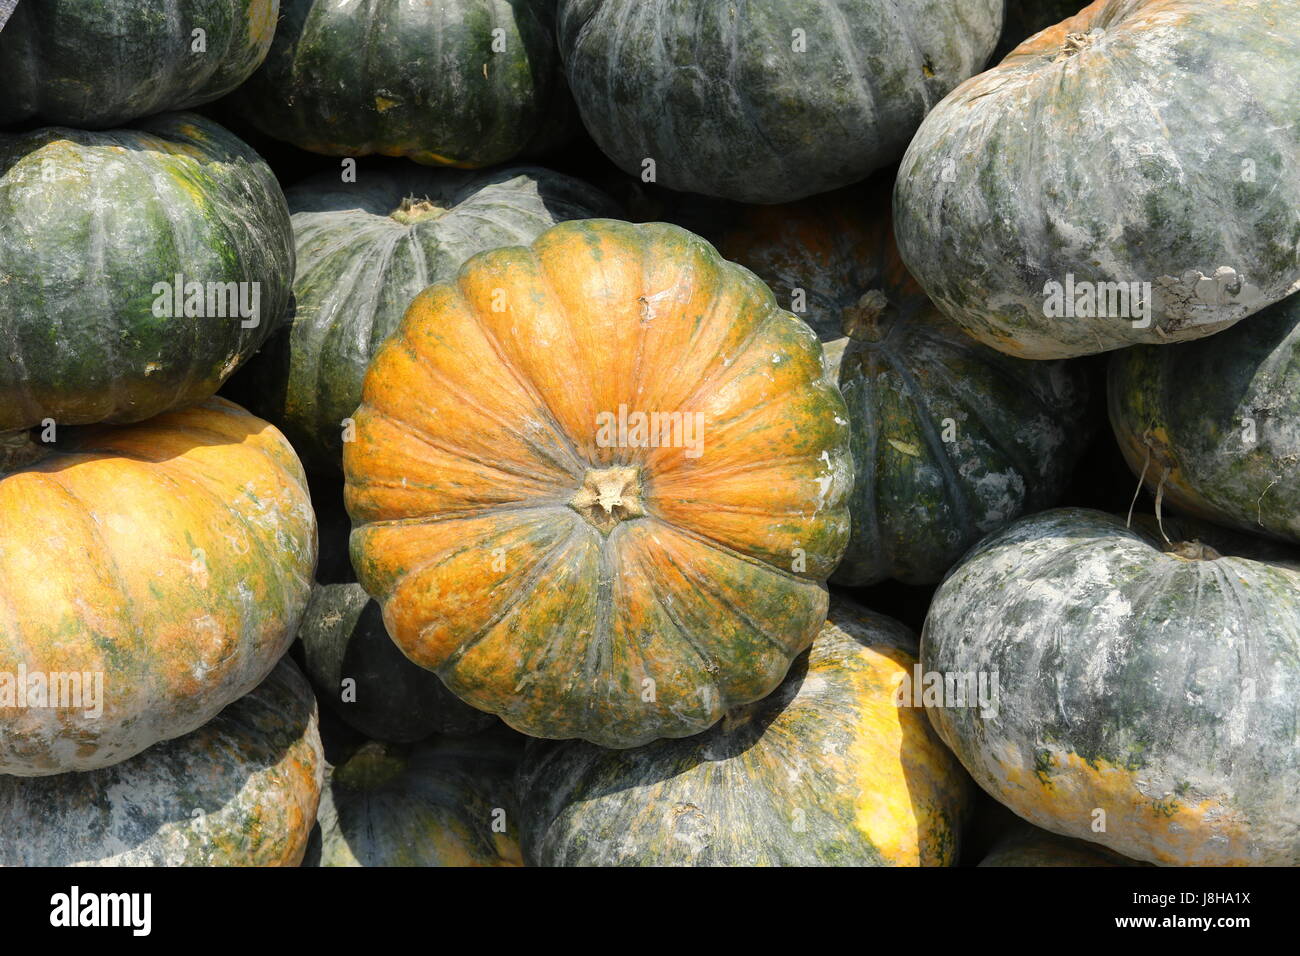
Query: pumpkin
point(152, 574)
point(540, 529)
point(443, 802)
point(828, 770)
point(359, 672)
point(766, 101)
point(241, 790)
point(95, 65)
point(1026, 845)
point(464, 83)
point(1145, 689)
point(1211, 425)
point(364, 250)
point(1128, 176)
point(140, 268)
point(951, 439)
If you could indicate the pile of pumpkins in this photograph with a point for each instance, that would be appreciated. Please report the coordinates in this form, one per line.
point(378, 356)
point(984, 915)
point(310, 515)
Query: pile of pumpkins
point(588, 371)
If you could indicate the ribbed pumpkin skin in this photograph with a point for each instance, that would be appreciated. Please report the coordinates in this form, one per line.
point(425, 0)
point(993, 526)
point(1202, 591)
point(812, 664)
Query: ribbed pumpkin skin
point(437, 803)
point(362, 258)
point(951, 439)
point(1029, 846)
point(241, 790)
point(1157, 688)
point(1221, 416)
point(99, 63)
point(476, 479)
point(716, 95)
point(1164, 151)
point(419, 80)
point(89, 223)
point(173, 557)
point(828, 770)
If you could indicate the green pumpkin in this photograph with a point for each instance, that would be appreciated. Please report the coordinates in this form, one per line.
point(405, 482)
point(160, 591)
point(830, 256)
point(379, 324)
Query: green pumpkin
point(770, 100)
point(464, 83)
point(1212, 425)
point(100, 63)
point(1129, 176)
point(437, 803)
point(364, 251)
point(1145, 685)
point(828, 770)
point(241, 790)
point(1026, 845)
point(951, 439)
point(94, 230)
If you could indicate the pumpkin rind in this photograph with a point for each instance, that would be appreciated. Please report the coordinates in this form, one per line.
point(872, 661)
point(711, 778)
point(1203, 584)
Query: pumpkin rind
point(174, 558)
point(438, 803)
point(90, 223)
point(828, 770)
point(241, 790)
point(1156, 687)
point(363, 254)
point(951, 439)
point(1162, 150)
point(464, 83)
point(99, 63)
point(1213, 423)
point(476, 482)
point(723, 102)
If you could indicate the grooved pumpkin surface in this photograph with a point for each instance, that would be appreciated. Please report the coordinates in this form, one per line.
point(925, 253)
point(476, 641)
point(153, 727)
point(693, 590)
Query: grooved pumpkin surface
point(1159, 688)
point(951, 439)
point(1223, 416)
point(241, 790)
point(564, 576)
point(364, 251)
point(1140, 141)
point(100, 63)
point(172, 558)
point(769, 100)
point(456, 83)
point(828, 770)
point(90, 224)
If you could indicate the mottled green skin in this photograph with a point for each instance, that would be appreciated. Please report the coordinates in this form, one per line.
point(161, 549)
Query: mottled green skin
point(241, 790)
point(359, 268)
point(1027, 845)
point(1165, 151)
point(89, 222)
point(777, 783)
point(1224, 415)
point(432, 804)
point(1159, 689)
point(718, 97)
point(100, 63)
point(419, 80)
point(1024, 18)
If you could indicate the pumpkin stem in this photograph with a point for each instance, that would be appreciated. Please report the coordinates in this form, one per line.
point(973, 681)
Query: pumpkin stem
point(870, 319)
point(1193, 551)
point(1077, 42)
point(17, 450)
point(414, 210)
point(371, 766)
point(608, 496)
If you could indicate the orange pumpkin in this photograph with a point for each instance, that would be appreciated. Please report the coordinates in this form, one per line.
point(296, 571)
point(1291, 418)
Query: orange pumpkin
point(152, 574)
point(579, 578)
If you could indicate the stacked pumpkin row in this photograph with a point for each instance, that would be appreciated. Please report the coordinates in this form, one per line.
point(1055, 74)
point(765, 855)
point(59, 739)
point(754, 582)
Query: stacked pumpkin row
point(596, 476)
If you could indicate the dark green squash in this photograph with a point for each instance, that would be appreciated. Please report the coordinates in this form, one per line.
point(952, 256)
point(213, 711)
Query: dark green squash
point(94, 230)
point(1026, 845)
point(364, 250)
point(464, 83)
point(1147, 145)
point(828, 770)
point(438, 803)
point(951, 439)
point(770, 100)
point(100, 63)
point(1212, 426)
point(1145, 690)
point(241, 790)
